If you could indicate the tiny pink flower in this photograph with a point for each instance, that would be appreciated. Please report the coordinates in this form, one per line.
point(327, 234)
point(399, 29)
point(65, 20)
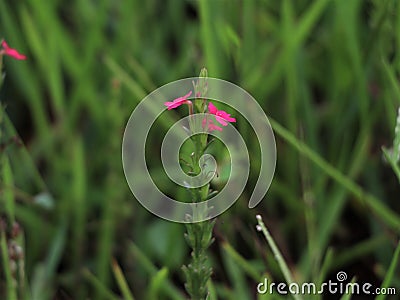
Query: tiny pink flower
point(211, 126)
point(222, 116)
point(178, 101)
point(10, 51)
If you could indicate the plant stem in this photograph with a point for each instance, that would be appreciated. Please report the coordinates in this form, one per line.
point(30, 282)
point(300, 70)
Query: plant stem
point(199, 238)
point(199, 235)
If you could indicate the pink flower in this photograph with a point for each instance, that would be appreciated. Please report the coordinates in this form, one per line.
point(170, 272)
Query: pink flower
point(222, 116)
point(178, 101)
point(211, 126)
point(10, 51)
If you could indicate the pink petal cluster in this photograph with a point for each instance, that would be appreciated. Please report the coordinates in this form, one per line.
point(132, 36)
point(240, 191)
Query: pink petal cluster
point(178, 101)
point(222, 116)
point(10, 51)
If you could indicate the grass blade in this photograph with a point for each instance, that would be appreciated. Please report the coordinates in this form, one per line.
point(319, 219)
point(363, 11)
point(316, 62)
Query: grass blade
point(123, 285)
point(390, 273)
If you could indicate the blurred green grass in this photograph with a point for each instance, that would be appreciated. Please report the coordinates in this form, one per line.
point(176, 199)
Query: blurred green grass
point(326, 72)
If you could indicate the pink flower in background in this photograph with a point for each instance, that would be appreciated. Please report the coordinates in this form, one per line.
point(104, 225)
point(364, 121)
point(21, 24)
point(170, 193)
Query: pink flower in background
point(178, 101)
point(222, 116)
point(211, 126)
point(10, 51)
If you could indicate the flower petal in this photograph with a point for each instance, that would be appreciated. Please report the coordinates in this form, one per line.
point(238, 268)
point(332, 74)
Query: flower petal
point(187, 95)
point(212, 126)
point(212, 109)
point(221, 121)
point(178, 101)
point(11, 52)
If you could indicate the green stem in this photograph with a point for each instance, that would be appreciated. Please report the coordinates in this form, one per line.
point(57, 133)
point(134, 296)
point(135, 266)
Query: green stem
point(199, 238)
point(199, 235)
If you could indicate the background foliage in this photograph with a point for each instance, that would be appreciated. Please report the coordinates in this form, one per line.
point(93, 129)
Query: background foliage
point(326, 72)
